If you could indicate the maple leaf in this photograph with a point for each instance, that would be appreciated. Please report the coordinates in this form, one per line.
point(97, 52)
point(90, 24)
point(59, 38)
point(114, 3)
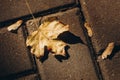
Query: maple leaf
point(46, 36)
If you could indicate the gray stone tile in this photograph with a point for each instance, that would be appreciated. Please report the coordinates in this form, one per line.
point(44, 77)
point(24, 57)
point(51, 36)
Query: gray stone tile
point(104, 17)
point(14, 57)
point(11, 9)
point(79, 65)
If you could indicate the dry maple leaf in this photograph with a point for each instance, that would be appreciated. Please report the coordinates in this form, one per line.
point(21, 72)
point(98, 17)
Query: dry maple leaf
point(46, 36)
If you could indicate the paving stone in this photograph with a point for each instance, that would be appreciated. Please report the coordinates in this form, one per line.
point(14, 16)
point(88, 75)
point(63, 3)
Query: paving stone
point(104, 18)
point(78, 65)
point(11, 9)
point(14, 57)
point(28, 77)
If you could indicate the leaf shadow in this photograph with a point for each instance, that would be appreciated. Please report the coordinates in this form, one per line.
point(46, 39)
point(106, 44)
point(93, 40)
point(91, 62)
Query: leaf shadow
point(67, 37)
point(58, 57)
point(116, 49)
point(70, 38)
point(100, 52)
point(45, 57)
point(61, 58)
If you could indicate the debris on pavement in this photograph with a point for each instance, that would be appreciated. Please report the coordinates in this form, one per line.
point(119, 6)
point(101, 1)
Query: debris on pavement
point(46, 36)
point(108, 50)
point(15, 26)
point(89, 30)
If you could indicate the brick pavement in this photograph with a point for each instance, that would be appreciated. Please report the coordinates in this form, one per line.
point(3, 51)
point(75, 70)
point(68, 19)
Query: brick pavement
point(81, 63)
point(14, 57)
point(76, 66)
point(11, 9)
point(104, 16)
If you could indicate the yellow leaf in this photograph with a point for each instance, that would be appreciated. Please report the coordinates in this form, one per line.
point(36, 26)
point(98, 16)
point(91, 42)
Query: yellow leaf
point(45, 37)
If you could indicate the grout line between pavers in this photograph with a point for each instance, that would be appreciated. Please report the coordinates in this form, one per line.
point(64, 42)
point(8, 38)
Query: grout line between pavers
point(24, 31)
point(91, 49)
point(92, 53)
point(32, 57)
point(55, 10)
point(17, 75)
point(40, 14)
point(25, 72)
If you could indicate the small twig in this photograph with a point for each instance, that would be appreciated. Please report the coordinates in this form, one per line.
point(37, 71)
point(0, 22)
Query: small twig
point(28, 6)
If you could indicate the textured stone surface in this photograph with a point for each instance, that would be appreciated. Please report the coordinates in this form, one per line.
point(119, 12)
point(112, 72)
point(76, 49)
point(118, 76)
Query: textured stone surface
point(11, 9)
point(104, 17)
point(14, 57)
point(78, 65)
point(28, 77)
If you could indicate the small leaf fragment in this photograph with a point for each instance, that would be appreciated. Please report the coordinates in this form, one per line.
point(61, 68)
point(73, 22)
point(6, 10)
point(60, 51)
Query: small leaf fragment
point(46, 36)
point(89, 30)
point(108, 50)
point(15, 26)
point(57, 47)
